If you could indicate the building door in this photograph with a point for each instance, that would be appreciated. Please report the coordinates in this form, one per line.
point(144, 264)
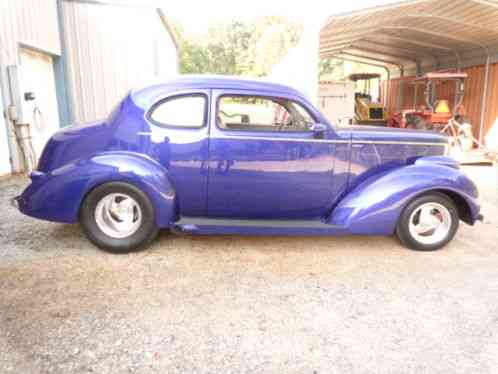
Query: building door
point(38, 77)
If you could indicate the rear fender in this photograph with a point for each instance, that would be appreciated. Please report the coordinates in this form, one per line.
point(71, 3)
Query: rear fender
point(374, 206)
point(58, 195)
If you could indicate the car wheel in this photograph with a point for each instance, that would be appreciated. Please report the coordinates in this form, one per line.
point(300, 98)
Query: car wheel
point(118, 217)
point(429, 222)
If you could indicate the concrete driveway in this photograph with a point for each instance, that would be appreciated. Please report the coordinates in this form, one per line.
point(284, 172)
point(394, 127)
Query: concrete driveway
point(247, 304)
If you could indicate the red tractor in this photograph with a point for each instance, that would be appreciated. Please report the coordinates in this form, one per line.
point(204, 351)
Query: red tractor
point(436, 114)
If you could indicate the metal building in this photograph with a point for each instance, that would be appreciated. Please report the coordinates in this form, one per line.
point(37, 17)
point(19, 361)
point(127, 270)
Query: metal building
point(412, 37)
point(77, 57)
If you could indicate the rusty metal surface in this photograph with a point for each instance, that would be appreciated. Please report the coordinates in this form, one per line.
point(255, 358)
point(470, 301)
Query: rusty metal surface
point(472, 99)
point(424, 35)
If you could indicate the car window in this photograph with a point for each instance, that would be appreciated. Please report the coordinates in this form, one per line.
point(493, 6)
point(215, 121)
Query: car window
point(252, 113)
point(181, 111)
point(303, 113)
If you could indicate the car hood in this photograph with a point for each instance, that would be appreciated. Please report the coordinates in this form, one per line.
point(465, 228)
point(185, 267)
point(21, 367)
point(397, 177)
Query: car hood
point(376, 149)
point(391, 135)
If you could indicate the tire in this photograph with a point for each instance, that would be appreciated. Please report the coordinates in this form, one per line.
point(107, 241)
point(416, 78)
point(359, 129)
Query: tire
point(420, 218)
point(118, 217)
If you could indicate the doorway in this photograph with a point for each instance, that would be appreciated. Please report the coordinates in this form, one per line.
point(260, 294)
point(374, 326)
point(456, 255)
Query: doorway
point(39, 78)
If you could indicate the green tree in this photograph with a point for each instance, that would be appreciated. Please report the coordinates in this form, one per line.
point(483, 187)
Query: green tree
point(331, 69)
point(238, 48)
point(193, 57)
point(224, 45)
point(271, 38)
point(338, 69)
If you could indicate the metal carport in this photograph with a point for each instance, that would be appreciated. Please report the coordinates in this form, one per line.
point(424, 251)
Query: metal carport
point(418, 36)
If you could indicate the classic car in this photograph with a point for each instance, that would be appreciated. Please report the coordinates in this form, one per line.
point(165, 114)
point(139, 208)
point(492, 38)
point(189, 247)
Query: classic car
point(220, 155)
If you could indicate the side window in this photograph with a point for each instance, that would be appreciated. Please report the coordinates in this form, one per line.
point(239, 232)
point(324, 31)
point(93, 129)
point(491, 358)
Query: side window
point(253, 113)
point(180, 111)
point(303, 113)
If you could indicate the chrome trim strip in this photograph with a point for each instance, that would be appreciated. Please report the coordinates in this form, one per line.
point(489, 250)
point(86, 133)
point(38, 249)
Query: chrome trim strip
point(332, 141)
point(301, 140)
point(398, 142)
point(143, 133)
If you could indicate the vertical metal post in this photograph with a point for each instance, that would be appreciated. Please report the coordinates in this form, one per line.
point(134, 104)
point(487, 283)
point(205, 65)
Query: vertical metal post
point(418, 66)
point(458, 61)
point(484, 98)
point(386, 93)
point(64, 89)
point(415, 93)
point(15, 162)
point(400, 88)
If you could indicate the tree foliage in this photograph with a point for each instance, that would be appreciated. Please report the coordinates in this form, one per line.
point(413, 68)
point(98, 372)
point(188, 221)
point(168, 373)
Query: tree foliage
point(238, 48)
point(331, 69)
point(337, 69)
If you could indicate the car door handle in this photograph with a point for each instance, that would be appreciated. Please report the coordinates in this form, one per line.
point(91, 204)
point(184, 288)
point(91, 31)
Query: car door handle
point(223, 166)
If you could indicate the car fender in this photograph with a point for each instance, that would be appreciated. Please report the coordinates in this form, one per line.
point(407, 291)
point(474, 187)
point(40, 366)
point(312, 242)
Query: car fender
point(58, 195)
point(374, 206)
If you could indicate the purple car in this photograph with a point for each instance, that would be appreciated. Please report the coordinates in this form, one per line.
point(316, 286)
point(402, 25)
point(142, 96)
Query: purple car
point(230, 156)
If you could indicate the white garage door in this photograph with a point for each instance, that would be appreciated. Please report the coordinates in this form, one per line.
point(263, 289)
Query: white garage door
point(38, 77)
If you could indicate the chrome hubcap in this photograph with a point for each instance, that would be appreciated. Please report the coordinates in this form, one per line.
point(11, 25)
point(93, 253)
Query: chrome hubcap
point(118, 215)
point(430, 223)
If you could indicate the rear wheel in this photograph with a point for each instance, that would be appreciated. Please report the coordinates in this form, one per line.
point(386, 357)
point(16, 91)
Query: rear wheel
point(428, 223)
point(118, 217)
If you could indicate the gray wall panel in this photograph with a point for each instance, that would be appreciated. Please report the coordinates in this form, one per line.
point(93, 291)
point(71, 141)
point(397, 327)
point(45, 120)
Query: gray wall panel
point(32, 23)
point(110, 50)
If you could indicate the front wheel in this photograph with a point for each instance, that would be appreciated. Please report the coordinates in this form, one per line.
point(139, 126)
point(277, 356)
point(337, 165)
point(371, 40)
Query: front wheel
point(428, 223)
point(118, 217)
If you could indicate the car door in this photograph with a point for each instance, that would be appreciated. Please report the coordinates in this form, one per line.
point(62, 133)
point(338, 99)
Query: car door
point(260, 166)
point(178, 139)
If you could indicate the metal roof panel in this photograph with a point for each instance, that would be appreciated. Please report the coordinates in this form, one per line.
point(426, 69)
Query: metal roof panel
point(414, 29)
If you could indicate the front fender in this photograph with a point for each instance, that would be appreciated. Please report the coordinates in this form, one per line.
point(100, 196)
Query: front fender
point(57, 195)
point(374, 206)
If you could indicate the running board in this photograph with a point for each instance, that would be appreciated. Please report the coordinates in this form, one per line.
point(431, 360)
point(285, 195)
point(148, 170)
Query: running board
point(201, 225)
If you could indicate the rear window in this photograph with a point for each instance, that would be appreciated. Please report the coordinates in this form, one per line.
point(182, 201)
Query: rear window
point(187, 111)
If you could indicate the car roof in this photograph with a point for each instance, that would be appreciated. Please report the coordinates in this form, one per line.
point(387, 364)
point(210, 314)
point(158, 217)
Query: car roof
point(143, 95)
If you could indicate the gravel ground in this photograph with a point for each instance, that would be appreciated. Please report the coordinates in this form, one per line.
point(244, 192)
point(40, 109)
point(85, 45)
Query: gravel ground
point(247, 304)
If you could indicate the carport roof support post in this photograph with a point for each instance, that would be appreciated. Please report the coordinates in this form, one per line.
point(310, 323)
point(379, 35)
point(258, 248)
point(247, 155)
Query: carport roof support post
point(484, 98)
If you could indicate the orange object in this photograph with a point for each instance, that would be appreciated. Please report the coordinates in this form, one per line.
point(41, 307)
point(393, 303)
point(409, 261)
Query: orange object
point(442, 106)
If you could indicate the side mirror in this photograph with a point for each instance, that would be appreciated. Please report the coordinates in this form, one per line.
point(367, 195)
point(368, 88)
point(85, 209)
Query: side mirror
point(319, 130)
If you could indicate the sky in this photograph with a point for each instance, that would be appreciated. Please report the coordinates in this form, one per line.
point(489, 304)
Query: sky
point(197, 16)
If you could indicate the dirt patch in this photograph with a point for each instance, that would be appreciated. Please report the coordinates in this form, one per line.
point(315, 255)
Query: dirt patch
point(247, 304)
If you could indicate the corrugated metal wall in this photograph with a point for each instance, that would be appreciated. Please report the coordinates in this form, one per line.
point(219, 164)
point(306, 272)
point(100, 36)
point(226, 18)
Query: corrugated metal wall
point(491, 120)
point(5, 167)
point(32, 23)
point(111, 49)
point(472, 100)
